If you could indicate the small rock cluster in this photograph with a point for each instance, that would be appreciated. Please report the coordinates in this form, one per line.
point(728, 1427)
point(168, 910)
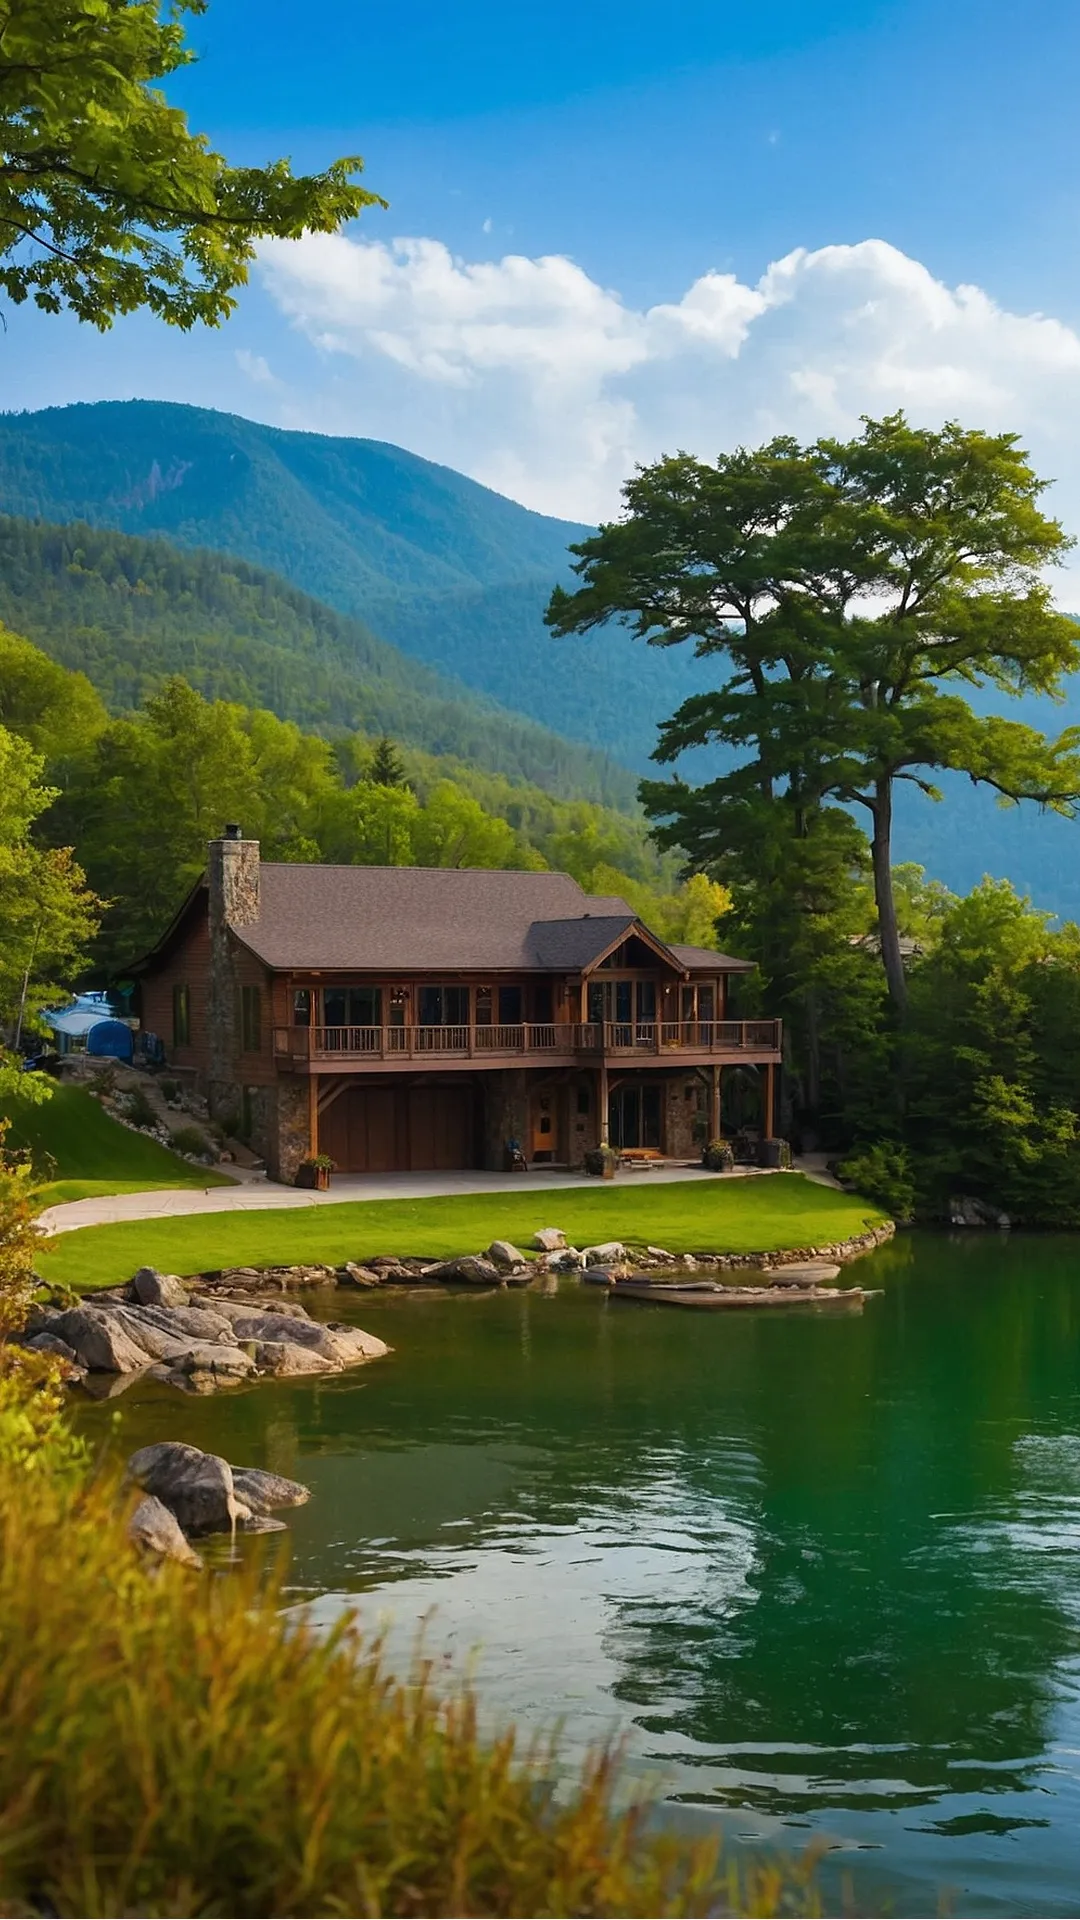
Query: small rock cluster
point(187, 1492)
point(153, 1329)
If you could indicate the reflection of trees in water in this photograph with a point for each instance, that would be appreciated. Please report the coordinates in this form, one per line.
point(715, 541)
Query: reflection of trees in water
point(908, 1595)
point(811, 1533)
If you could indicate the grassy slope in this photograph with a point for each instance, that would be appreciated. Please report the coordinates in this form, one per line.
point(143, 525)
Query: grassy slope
point(72, 1138)
point(737, 1216)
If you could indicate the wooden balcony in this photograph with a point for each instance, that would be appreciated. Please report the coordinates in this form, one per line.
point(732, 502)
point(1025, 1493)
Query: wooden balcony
point(551, 1043)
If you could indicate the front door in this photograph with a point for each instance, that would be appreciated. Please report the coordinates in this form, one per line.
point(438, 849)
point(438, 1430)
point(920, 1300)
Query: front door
point(543, 1127)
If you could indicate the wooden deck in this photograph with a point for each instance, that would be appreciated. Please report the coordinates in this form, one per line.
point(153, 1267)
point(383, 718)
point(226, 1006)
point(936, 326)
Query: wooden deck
point(548, 1043)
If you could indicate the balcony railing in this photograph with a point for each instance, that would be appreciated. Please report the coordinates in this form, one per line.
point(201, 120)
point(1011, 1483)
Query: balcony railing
point(530, 1038)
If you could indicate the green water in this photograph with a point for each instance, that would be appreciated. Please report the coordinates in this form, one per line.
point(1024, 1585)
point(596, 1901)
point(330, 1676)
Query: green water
point(823, 1575)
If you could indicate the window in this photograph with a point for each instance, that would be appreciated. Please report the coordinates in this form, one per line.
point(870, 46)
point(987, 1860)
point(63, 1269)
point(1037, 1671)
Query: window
point(483, 1006)
point(509, 1006)
point(251, 1019)
point(181, 1016)
point(352, 1007)
point(301, 1007)
point(583, 1099)
point(542, 1001)
point(444, 1006)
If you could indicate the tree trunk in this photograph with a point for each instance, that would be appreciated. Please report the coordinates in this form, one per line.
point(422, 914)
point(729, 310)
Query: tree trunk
point(888, 931)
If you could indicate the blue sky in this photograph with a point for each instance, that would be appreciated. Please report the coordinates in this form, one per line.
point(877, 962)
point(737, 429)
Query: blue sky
point(641, 167)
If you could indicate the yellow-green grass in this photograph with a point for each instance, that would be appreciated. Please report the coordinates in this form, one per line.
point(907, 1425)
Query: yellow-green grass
point(79, 1151)
point(781, 1211)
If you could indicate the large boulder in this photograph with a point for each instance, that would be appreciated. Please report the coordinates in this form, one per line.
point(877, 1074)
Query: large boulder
point(504, 1254)
point(352, 1275)
point(154, 1289)
point(234, 1310)
point(470, 1270)
point(49, 1342)
point(606, 1255)
point(99, 1342)
point(185, 1323)
point(965, 1211)
point(284, 1360)
point(155, 1530)
point(158, 1344)
point(353, 1345)
point(223, 1363)
point(568, 1261)
point(346, 1345)
point(263, 1492)
point(196, 1487)
point(549, 1239)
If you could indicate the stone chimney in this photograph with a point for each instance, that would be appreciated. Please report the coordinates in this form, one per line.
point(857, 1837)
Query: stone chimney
point(232, 870)
point(233, 875)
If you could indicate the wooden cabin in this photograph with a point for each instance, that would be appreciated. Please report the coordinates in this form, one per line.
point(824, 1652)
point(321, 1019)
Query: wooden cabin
point(416, 1017)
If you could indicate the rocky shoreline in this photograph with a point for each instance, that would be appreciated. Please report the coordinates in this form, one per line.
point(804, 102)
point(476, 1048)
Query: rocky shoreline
point(232, 1325)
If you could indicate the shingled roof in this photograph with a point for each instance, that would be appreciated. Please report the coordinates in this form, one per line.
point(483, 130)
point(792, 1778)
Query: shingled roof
point(404, 919)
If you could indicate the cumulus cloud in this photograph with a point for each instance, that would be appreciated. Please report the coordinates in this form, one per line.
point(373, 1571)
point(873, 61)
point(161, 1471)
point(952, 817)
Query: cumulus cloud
point(256, 367)
point(531, 377)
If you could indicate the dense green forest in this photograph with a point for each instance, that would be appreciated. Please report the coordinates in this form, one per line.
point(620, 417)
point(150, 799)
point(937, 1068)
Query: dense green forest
point(452, 573)
point(138, 795)
point(456, 577)
point(128, 611)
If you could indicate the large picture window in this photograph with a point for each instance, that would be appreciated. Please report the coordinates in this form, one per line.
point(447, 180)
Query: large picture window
point(251, 1019)
point(444, 1006)
point(352, 1006)
point(181, 1016)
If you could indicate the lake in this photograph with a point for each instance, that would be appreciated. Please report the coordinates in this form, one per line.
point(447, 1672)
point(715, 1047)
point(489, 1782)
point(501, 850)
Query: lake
point(821, 1574)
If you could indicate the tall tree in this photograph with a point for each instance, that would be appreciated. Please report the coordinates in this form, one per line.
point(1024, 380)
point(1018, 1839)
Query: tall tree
point(387, 769)
point(857, 592)
point(108, 202)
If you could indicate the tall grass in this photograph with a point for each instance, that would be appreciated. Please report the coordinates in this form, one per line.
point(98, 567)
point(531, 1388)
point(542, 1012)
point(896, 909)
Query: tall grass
point(171, 1744)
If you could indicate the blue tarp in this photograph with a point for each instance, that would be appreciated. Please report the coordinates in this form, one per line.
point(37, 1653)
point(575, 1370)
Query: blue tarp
point(111, 1037)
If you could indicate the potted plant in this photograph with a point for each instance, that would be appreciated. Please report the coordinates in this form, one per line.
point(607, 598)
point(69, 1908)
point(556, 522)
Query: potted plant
point(718, 1156)
point(601, 1161)
point(315, 1172)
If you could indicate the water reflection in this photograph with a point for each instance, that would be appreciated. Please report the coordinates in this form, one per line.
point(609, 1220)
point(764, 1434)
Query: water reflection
point(821, 1574)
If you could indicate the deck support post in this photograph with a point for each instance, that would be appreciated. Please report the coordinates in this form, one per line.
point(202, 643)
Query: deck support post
point(770, 1100)
point(313, 1112)
point(603, 1098)
point(714, 1102)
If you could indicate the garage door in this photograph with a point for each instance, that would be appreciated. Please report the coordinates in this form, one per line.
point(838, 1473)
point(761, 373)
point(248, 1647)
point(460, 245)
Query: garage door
point(399, 1129)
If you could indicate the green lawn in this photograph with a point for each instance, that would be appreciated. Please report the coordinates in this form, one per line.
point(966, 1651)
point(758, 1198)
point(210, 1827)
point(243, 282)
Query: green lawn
point(80, 1151)
point(736, 1216)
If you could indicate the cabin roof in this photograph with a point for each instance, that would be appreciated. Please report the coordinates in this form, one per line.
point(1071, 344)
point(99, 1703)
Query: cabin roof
point(327, 919)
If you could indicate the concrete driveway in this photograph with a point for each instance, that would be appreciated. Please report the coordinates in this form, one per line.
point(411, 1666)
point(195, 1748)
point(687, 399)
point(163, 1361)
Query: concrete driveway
point(256, 1195)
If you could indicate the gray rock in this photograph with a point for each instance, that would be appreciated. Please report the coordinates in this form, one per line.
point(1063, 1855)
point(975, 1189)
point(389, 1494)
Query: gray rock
point(225, 1363)
point(964, 1211)
point(156, 1530)
point(470, 1271)
point(100, 1344)
point(549, 1240)
point(234, 1310)
point(568, 1261)
point(196, 1487)
point(604, 1255)
point(263, 1492)
point(505, 1254)
point(353, 1345)
point(154, 1289)
point(148, 1335)
point(661, 1253)
point(261, 1523)
point(352, 1275)
point(186, 1323)
point(283, 1359)
point(276, 1327)
point(47, 1342)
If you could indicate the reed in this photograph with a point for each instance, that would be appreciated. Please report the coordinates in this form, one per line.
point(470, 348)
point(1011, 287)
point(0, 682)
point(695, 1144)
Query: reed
point(177, 1744)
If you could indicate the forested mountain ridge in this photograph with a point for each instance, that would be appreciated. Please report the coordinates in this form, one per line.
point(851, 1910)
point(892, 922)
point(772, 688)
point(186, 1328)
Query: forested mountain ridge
point(127, 612)
point(445, 569)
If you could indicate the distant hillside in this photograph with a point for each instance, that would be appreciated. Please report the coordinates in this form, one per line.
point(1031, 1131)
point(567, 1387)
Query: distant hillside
point(443, 568)
point(129, 611)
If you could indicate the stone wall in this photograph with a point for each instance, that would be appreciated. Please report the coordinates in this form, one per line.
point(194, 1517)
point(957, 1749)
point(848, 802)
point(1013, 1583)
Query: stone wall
point(505, 1115)
point(233, 882)
point(289, 1139)
point(684, 1099)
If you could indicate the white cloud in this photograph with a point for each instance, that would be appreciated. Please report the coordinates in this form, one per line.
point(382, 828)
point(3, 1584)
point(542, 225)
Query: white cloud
point(256, 367)
point(533, 378)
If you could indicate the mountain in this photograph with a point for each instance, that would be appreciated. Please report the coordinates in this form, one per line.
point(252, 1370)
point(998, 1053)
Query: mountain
point(451, 575)
point(129, 611)
point(449, 572)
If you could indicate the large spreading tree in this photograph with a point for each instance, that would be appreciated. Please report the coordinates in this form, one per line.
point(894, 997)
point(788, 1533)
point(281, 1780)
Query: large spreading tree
point(854, 595)
point(108, 201)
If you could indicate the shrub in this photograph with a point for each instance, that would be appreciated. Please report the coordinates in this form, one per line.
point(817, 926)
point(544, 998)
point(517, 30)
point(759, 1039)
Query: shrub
point(140, 1109)
point(103, 1081)
point(34, 1437)
point(18, 1237)
point(600, 1161)
point(883, 1172)
point(191, 1140)
point(175, 1744)
point(718, 1156)
point(170, 1089)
